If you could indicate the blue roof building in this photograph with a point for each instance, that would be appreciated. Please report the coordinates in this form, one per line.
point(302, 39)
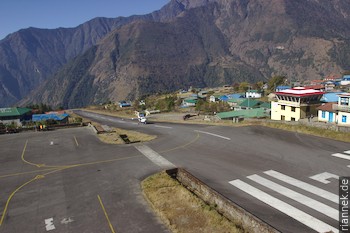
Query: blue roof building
point(330, 97)
point(51, 116)
point(282, 88)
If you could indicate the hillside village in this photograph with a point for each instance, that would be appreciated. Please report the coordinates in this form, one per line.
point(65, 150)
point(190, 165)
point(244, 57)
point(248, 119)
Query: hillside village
point(326, 102)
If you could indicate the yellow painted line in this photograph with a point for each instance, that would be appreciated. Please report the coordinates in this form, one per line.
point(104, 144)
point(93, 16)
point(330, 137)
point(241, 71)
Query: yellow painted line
point(13, 193)
point(101, 161)
point(63, 167)
point(76, 141)
point(182, 146)
point(22, 156)
point(104, 211)
point(26, 173)
point(36, 164)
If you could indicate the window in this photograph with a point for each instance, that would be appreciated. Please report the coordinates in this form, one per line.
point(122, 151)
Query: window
point(323, 114)
point(283, 107)
point(344, 101)
point(307, 108)
point(292, 119)
point(293, 109)
point(343, 119)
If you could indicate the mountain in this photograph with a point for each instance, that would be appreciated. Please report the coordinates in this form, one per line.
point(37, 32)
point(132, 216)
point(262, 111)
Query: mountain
point(31, 56)
point(186, 43)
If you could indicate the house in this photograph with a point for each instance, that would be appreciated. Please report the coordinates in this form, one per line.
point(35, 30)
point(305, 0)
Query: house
point(319, 87)
point(326, 113)
point(15, 115)
point(248, 113)
point(329, 86)
point(345, 80)
point(235, 95)
point(330, 97)
point(336, 112)
point(235, 102)
point(189, 102)
point(223, 98)
point(227, 97)
point(249, 104)
point(296, 103)
point(60, 117)
point(316, 82)
point(202, 94)
point(124, 104)
point(214, 98)
point(282, 88)
point(343, 108)
point(253, 94)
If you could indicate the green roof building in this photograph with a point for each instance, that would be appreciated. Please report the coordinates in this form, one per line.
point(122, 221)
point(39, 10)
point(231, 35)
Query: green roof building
point(15, 115)
point(248, 113)
point(250, 103)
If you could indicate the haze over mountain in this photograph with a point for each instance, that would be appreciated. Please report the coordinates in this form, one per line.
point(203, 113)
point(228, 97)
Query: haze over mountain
point(186, 43)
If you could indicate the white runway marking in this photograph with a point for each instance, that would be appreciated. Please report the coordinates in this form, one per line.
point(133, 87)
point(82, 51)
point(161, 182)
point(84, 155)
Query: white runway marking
point(323, 177)
point(154, 157)
point(305, 186)
point(309, 202)
point(212, 134)
point(342, 156)
point(284, 207)
point(49, 224)
point(347, 152)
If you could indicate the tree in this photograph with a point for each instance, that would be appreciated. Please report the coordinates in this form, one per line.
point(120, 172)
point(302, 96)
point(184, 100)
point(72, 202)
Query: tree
point(259, 85)
point(244, 86)
point(275, 81)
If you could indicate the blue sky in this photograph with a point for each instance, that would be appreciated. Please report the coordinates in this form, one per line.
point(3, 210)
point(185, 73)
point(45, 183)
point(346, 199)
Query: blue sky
point(19, 14)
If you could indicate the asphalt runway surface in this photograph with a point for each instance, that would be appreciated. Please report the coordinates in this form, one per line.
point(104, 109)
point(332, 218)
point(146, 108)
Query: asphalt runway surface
point(70, 181)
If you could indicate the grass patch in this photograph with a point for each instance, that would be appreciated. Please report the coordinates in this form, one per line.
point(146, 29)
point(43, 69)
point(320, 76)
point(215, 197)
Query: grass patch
point(181, 210)
point(134, 136)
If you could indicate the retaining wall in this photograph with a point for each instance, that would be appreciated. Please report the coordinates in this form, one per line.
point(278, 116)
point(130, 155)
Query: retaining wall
point(224, 206)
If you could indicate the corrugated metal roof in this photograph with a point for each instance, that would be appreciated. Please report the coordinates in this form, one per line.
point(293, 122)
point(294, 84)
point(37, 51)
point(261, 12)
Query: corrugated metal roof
point(6, 112)
point(250, 103)
point(45, 117)
point(249, 113)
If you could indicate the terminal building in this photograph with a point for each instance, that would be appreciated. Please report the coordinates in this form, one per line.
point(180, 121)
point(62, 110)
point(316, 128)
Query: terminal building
point(295, 104)
point(15, 115)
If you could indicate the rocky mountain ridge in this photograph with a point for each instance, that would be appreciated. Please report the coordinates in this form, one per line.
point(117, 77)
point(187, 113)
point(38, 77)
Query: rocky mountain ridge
point(193, 43)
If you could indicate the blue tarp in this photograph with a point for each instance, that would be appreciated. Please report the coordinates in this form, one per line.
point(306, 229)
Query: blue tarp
point(45, 117)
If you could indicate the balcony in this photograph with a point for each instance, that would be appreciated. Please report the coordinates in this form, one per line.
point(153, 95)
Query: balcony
point(343, 108)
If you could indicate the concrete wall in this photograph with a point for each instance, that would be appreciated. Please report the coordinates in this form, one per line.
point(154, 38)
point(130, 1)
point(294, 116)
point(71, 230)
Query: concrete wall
point(223, 205)
point(344, 116)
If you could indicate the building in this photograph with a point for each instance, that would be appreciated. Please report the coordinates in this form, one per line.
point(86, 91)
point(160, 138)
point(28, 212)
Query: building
point(124, 104)
point(326, 113)
point(336, 112)
point(241, 114)
point(59, 117)
point(214, 98)
point(330, 97)
point(329, 86)
point(253, 94)
point(343, 108)
point(189, 102)
point(296, 103)
point(345, 80)
point(15, 115)
point(282, 88)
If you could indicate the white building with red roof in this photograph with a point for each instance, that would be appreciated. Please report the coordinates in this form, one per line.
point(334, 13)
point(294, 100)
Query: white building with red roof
point(296, 103)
